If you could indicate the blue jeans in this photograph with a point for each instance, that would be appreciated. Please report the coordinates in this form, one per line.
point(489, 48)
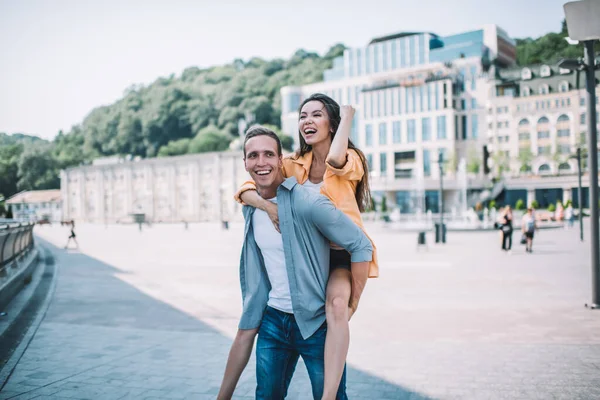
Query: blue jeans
point(278, 347)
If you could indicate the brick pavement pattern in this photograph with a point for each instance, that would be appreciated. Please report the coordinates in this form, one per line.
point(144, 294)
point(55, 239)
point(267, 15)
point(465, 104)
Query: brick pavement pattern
point(151, 315)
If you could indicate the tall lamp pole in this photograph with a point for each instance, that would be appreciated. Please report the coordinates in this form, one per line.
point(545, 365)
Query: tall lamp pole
point(580, 194)
point(583, 24)
point(442, 230)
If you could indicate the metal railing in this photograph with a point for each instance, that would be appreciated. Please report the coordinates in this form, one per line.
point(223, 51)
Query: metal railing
point(16, 239)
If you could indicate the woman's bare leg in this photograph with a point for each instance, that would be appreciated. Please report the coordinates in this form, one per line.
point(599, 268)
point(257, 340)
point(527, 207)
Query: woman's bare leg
point(337, 341)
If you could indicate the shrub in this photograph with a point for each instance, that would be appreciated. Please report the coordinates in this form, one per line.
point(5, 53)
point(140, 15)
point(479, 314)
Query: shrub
point(535, 204)
point(520, 205)
point(568, 203)
point(492, 204)
point(551, 208)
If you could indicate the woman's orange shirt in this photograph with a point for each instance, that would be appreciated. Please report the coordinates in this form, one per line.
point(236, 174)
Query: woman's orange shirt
point(339, 185)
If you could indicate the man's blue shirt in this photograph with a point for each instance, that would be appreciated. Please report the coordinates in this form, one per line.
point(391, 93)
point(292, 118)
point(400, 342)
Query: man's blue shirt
point(308, 222)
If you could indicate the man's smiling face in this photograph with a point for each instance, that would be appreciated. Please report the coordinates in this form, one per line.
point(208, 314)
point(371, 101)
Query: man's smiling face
point(263, 162)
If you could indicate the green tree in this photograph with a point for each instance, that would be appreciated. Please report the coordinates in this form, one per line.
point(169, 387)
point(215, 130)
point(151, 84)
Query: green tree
point(9, 156)
point(287, 142)
point(37, 170)
point(209, 139)
point(473, 161)
point(175, 148)
point(520, 205)
point(525, 158)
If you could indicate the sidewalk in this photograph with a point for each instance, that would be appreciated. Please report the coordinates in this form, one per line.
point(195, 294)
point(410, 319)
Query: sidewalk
point(152, 315)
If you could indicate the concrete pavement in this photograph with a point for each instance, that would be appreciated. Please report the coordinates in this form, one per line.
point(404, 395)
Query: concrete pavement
point(152, 314)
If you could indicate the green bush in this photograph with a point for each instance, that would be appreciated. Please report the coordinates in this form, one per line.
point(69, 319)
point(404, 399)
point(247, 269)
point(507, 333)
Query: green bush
point(383, 204)
point(551, 208)
point(568, 203)
point(535, 204)
point(520, 205)
point(492, 204)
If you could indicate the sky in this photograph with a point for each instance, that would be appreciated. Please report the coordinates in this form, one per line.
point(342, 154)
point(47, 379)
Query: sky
point(60, 59)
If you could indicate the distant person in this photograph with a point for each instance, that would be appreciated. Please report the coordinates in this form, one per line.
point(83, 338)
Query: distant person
point(569, 216)
point(528, 228)
point(559, 214)
point(506, 228)
point(72, 236)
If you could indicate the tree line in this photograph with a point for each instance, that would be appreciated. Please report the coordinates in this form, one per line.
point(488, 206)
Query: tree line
point(197, 111)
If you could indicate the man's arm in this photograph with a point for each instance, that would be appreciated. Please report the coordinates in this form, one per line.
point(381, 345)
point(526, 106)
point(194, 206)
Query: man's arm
point(237, 361)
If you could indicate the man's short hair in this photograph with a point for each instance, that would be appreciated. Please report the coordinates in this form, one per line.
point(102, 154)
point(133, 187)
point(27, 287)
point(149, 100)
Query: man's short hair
point(259, 130)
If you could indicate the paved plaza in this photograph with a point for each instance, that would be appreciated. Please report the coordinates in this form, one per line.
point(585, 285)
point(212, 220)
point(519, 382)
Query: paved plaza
point(151, 315)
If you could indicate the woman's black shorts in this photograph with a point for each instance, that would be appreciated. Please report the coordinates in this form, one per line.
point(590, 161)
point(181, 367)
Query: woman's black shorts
point(339, 259)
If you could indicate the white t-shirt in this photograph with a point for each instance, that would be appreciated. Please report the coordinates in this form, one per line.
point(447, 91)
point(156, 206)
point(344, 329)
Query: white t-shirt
point(313, 186)
point(270, 243)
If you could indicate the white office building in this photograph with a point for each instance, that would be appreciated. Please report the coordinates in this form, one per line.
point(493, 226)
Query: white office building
point(417, 95)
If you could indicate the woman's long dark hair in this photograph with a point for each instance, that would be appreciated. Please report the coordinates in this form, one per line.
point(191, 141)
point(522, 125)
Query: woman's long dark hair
point(363, 192)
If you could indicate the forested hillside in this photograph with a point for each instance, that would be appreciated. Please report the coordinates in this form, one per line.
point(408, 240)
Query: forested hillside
point(195, 111)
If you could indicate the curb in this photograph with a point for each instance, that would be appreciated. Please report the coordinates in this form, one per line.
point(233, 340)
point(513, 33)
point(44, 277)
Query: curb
point(31, 315)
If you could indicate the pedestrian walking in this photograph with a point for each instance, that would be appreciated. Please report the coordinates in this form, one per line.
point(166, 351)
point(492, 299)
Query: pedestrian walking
point(569, 215)
point(528, 227)
point(506, 228)
point(72, 236)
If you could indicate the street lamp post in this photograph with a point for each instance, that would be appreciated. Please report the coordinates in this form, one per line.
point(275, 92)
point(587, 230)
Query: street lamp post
point(583, 24)
point(577, 157)
point(442, 231)
point(580, 194)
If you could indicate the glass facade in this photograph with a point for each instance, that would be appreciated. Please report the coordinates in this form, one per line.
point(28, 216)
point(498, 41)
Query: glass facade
point(474, 127)
point(383, 164)
point(426, 129)
point(426, 163)
point(368, 135)
point(382, 133)
point(411, 135)
point(441, 127)
point(396, 132)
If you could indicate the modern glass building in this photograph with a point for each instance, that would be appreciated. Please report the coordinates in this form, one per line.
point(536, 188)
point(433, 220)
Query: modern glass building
point(417, 94)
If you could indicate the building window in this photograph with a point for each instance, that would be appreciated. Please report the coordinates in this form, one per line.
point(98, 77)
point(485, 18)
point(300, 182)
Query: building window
point(582, 101)
point(582, 119)
point(544, 150)
point(545, 71)
point(544, 89)
point(473, 104)
point(426, 163)
point(526, 91)
point(382, 133)
point(564, 149)
point(426, 129)
point(464, 127)
point(441, 127)
point(524, 136)
point(523, 122)
point(396, 132)
point(563, 118)
point(544, 169)
point(370, 162)
point(411, 136)
point(525, 74)
point(543, 134)
point(368, 135)
point(474, 126)
point(563, 87)
point(543, 120)
point(383, 164)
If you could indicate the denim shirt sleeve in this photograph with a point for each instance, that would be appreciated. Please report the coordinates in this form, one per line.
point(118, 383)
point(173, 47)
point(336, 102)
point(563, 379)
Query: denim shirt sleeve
point(254, 281)
point(340, 229)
